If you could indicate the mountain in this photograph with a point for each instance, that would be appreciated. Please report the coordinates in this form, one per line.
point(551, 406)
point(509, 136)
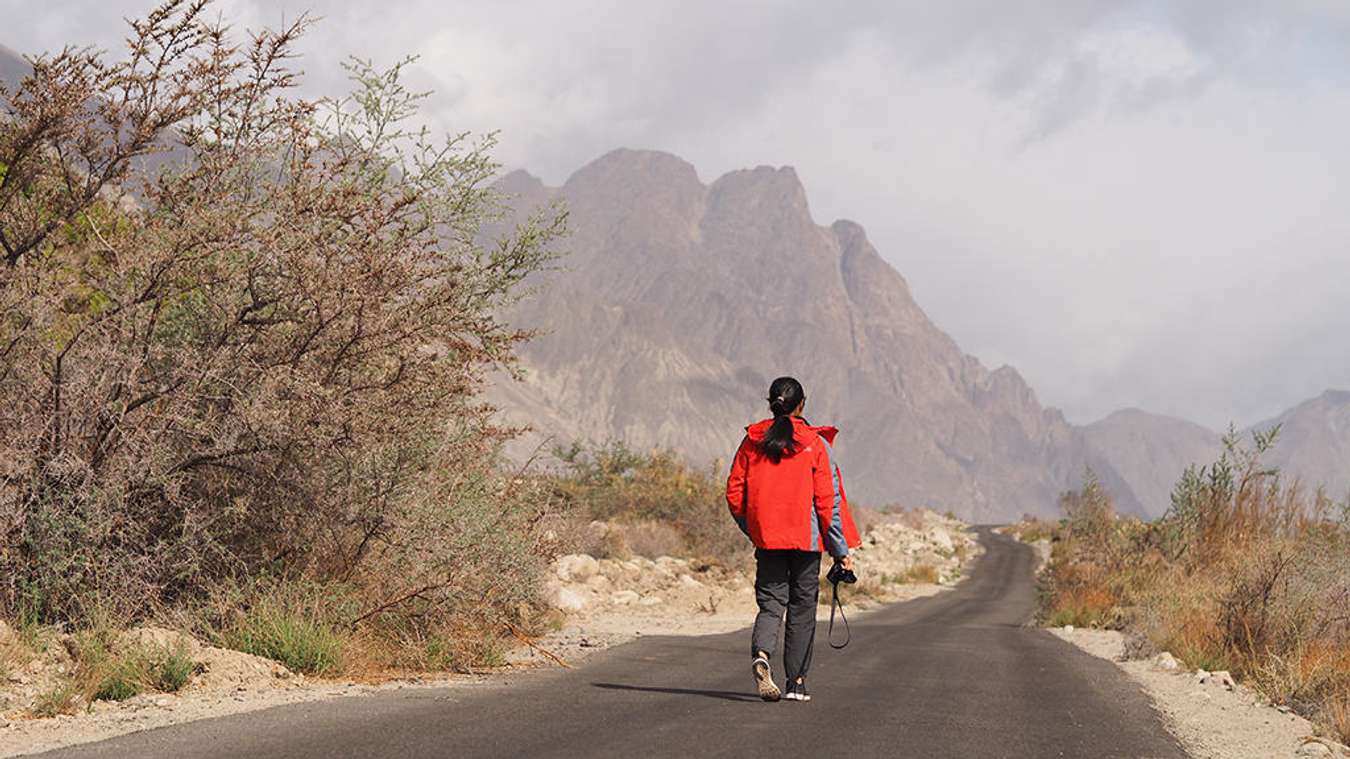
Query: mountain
point(681, 301)
point(1150, 452)
point(1314, 442)
point(12, 67)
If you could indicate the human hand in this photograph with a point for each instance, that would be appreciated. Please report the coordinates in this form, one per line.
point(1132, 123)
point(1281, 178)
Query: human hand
point(847, 563)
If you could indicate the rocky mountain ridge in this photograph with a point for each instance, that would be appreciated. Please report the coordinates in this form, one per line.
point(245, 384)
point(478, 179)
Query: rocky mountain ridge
point(680, 301)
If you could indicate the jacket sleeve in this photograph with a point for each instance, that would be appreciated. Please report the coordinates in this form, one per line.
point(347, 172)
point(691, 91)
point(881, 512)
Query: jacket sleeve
point(740, 466)
point(830, 509)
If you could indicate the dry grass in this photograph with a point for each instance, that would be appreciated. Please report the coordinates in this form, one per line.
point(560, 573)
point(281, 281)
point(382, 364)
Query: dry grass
point(655, 504)
point(922, 573)
point(1245, 573)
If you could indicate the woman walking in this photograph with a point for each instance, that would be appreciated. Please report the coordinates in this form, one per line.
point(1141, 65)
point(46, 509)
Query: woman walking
point(786, 493)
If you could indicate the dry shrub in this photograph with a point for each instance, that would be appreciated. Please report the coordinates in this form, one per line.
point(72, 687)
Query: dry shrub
point(1334, 717)
point(648, 538)
point(255, 363)
point(638, 491)
point(922, 573)
point(1244, 573)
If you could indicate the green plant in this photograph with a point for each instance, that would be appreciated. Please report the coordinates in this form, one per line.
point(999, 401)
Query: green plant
point(170, 668)
point(122, 679)
point(302, 644)
point(61, 698)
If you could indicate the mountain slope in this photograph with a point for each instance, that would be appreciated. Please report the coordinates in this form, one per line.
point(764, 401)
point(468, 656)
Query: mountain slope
point(1314, 442)
point(1151, 451)
point(682, 300)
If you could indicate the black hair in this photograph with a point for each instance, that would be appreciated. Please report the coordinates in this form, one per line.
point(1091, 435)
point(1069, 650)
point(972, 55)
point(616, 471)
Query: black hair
point(785, 395)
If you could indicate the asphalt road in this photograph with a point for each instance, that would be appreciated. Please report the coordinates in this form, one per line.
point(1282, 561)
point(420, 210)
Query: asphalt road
point(954, 675)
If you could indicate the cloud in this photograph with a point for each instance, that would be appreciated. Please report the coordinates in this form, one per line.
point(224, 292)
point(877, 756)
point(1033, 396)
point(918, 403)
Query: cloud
point(1135, 203)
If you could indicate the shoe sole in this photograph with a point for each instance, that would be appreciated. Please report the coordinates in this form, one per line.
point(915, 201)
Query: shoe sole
point(764, 682)
point(796, 697)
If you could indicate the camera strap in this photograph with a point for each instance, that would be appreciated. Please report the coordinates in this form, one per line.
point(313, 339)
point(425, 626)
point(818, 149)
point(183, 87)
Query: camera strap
point(837, 605)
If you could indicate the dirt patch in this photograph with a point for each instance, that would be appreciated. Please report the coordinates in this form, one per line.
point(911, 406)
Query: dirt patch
point(1211, 716)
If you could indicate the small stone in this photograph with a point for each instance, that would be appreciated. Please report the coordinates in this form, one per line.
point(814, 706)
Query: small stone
point(689, 583)
point(1222, 677)
point(1068, 628)
point(650, 601)
point(1201, 676)
point(623, 598)
point(1283, 709)
point(1166, 662)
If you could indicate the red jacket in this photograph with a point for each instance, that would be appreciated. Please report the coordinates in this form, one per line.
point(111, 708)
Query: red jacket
point(797, 503)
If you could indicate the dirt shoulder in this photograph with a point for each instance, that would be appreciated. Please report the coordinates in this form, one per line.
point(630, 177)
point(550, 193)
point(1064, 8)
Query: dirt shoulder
point(605, 602)
point(1211, 716)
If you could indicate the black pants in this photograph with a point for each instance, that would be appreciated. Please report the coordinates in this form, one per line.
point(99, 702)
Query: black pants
point(786, 580)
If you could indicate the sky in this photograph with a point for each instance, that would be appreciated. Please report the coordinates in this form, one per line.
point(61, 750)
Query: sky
point(1136, 204)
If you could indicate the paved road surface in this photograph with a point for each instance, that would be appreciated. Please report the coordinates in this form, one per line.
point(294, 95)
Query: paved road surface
point(954, 675)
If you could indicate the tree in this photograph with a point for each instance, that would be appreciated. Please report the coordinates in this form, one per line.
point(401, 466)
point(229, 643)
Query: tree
point(259, 352)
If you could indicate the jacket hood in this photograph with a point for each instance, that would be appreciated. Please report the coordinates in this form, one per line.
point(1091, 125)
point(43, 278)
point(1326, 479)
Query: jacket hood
point(757, 430)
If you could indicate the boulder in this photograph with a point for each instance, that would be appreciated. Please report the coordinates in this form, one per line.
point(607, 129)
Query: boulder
point(577, 567)
point(567, 599)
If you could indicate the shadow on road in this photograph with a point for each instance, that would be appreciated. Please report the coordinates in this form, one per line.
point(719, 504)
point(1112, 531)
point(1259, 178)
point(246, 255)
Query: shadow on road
point(725, 695)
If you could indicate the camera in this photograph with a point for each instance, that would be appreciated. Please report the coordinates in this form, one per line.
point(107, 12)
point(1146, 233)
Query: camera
point(838, 574)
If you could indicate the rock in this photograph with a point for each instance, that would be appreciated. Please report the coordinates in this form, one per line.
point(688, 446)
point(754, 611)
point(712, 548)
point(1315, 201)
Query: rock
point(1137, 647)
point(1068, 628)
point(1222, 677)
point(689, 583)
point(577, 567)
point(598, 582)
point(1166, 662)
point(650, 601)
point(1314, 748)
point(940, 538)
point(1201, 675)
point(1283, 709)
point(567, 599)
point(623, 598)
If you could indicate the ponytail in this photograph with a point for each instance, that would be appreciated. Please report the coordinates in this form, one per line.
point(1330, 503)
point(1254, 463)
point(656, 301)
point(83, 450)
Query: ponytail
point(785, 395)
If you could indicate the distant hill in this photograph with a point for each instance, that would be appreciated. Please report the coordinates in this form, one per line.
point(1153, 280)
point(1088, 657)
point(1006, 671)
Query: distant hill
point(682, 300)
point(12, 66)
point(1314, 442)
point(1151, 451)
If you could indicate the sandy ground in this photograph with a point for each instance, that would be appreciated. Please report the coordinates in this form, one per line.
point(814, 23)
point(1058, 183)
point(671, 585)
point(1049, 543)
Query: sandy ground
point(607, 602)
point(1212, 719)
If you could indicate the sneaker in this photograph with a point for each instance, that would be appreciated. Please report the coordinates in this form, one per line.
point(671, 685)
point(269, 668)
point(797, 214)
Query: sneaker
point(797, 692)
point(764, 680)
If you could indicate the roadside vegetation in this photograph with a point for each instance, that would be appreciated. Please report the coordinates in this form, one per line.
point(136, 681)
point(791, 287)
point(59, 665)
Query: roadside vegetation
point(242, 339)
point(1246, 572)
point(651, 504)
